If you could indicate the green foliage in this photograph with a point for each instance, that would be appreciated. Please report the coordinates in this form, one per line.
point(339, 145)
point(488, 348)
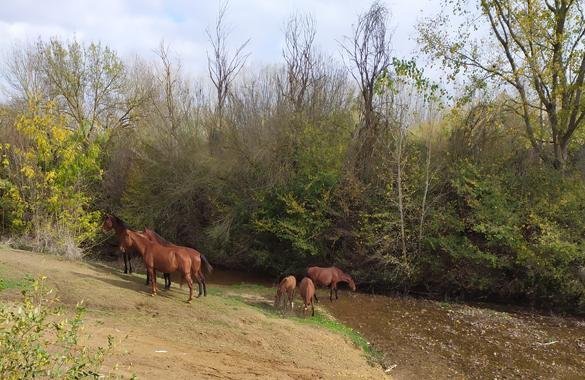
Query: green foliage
point(48, 175)
point(36, 341)
point(512, 237)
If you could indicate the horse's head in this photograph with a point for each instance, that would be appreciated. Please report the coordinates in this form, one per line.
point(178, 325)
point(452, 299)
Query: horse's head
point(108, 222)
point(351, 283)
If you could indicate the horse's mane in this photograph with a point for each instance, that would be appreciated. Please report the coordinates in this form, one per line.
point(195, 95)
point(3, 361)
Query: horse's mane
point(120, 222)
point(157, 236)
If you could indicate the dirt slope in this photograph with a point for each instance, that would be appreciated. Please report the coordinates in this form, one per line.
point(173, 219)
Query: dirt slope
point(214, 337)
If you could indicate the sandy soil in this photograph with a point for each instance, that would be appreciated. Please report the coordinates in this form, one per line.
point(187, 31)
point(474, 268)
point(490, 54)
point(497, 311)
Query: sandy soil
point(214, 337)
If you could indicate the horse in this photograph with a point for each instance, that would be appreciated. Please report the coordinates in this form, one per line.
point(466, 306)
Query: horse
point(329, 277)
point(287, 286)
point(166, 259)
point(197, 258)
point(307, 292)
point(125, 246)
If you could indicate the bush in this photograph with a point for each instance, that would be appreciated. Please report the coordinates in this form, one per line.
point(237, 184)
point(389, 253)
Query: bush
point(37, 341)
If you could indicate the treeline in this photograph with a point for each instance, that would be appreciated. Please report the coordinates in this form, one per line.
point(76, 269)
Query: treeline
point(363, 163)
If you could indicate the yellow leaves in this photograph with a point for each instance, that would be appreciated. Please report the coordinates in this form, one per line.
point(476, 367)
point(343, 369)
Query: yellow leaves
point(60, 134)
point(50, 176)
point(28, 171)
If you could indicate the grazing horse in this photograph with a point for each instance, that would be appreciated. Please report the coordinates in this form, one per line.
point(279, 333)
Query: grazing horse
point(197, 257)
point(307, 291)
point(286, 287)
point(329, 277)
point(125, 246)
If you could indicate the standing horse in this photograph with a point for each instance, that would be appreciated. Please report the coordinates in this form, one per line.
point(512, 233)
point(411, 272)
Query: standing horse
point(166, 259)
point(307, 292)
point(125, 246)
point(197, 257)
point(329, 277)
point(113, 222)
point(286, 287)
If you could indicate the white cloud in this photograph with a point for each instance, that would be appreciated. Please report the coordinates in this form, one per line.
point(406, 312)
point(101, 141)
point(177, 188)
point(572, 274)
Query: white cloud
point(137, 26)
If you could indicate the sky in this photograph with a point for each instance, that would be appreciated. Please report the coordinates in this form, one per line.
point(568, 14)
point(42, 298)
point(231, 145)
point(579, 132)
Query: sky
point(136, 27)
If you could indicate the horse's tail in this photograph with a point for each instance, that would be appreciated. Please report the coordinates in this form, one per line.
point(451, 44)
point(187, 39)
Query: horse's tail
point(207, 265)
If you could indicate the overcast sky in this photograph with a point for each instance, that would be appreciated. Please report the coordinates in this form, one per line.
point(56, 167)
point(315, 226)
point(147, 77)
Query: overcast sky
point(137, 26)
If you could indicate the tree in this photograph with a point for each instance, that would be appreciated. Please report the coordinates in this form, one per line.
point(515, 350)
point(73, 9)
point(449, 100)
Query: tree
point(536, 47)
point(368, 49)
point(300, 59)
point(87, 82)
point(223, 66)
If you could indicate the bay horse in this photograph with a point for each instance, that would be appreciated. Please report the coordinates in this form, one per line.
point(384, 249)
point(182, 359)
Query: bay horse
point(286, 288)
point(125, 246)
point(166, 259)
point(197, 258)
point(329, 277)
point(307, 292)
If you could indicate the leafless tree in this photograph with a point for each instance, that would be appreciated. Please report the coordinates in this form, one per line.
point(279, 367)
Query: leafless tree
point(300, 58)
point(223, 65)
point(368, 50)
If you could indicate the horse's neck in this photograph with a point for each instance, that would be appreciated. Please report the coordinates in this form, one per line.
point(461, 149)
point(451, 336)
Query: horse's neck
point(344, 278)
point(120, 230)
point(140, 242)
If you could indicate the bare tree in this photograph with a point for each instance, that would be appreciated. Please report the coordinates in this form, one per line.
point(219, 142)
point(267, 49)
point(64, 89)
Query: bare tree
point(300, 59)
point(223, 66)
point(368, 49)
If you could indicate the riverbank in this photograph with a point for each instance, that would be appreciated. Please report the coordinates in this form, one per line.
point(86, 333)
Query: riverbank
point(230, 334)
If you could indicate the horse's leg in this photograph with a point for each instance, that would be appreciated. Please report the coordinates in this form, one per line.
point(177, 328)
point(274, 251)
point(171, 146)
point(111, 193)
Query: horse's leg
point(313, 309)
point(130, 263)
point(315, 296)
point(290, 298)
point(125, 262)
point(189, 280)
point(331, 293)
point(204, 285)
point(147, 277)
point(199, 284)
point(167, 277)
point(336, 297)
point(152, 273)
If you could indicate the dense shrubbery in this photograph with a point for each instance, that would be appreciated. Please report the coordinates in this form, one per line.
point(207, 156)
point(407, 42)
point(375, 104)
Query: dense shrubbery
point(47, 178)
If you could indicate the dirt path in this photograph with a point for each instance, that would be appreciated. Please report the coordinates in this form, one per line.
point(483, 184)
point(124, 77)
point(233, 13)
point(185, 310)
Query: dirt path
point(214, 337)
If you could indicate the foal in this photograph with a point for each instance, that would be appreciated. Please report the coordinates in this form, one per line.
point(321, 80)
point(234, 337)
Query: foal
point(329, 277)
point(286, 287)
point(307, 291)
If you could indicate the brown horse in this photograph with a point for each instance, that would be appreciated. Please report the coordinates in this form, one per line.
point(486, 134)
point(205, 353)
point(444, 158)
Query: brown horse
point(166, 259)
point(287, 286)
point(307, 291)
point(329, 277)
point(197, 257)
point(125, 246)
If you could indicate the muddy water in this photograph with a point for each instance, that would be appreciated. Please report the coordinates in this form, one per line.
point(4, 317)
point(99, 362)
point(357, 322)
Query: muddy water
point(428, 339)
point(422, 339)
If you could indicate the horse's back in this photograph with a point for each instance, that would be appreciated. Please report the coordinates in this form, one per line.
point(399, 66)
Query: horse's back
point(307, 288)
point(289, 282)
point(321, 276)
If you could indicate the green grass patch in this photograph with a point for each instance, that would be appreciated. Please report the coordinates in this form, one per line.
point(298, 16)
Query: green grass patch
point(22, 283)
point(326, 322)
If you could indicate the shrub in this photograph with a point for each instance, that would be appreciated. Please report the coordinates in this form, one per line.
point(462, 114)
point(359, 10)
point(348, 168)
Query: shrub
point(36, 340)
